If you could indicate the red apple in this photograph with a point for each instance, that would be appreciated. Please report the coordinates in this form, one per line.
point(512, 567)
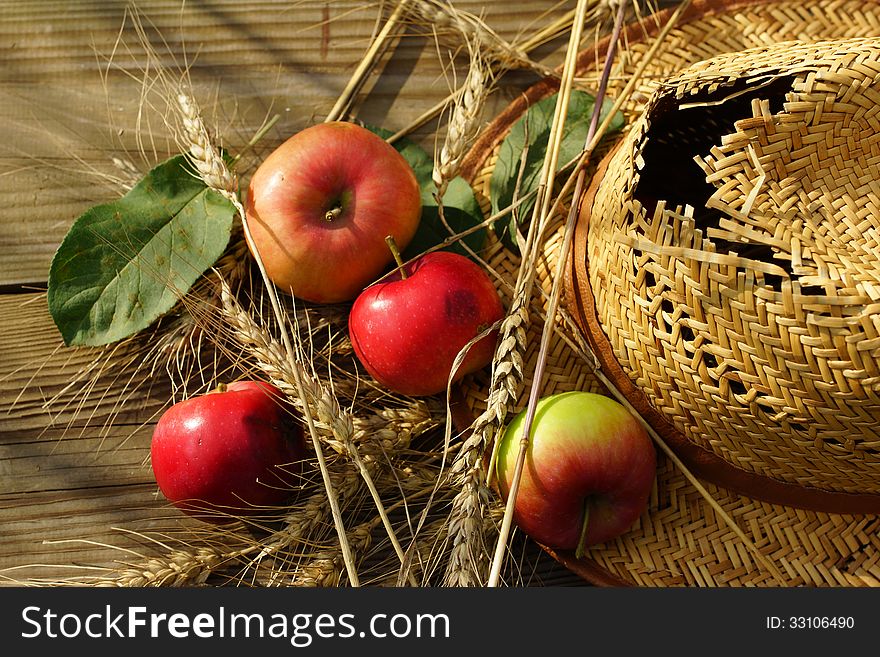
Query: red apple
point(320, 206)
point(588, 474)
point(407, 329)
point(232, 451)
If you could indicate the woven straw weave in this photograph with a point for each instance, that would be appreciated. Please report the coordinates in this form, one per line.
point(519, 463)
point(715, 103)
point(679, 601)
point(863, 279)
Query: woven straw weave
point(751, 318)
point(681, 540)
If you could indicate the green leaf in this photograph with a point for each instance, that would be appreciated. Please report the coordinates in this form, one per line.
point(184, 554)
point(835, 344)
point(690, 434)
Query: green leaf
point(124, 264)
point(460, 206)
point(462, 212)
point(532, 131)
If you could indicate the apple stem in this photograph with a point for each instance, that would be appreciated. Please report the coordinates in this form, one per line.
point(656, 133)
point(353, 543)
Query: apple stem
point(395, 251)
point(332, 214)
point(582, 539)
point(221, 387)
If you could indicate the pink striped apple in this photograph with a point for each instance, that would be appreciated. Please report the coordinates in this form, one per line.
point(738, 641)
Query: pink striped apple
point(320, 206)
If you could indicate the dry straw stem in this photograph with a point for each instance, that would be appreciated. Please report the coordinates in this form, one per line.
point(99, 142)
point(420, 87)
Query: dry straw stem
point(457, 26)
point(429, 554)
point(217, 176)
point(324, 568)
point(305, 523)
point(466, 513)
point(538, 374)
point(307, 413)
point(496, 64)
point(468, 528)
point(368, 61)
point(337, 424)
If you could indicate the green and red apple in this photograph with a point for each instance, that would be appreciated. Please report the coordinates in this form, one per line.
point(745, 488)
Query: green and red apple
point(588, 474)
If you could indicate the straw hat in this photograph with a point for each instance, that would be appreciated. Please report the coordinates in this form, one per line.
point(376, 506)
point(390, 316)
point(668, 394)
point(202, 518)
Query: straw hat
point(726, 274)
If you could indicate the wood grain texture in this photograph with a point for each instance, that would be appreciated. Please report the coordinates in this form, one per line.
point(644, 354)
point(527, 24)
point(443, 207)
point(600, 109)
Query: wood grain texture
point(74, 476)
point(72, 469)
point(72, 96)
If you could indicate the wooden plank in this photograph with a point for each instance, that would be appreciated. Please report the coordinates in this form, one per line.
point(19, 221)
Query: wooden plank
point(73, 467)
point(37, 369)
point(57, 535)
point(69, 113)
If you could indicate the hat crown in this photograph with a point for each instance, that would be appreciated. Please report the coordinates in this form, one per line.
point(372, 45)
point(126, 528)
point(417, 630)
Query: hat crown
point(734, 257)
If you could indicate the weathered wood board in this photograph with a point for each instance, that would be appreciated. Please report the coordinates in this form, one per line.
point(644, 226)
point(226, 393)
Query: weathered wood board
point(76, 99)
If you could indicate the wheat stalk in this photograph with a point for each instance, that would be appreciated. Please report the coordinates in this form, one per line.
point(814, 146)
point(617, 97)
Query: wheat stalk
point(302, 524)
point(200, 148)
point(467, 516)
point(464, 122)
point(467, 527)
point(327, 410)
point(543, 218)
point(179, 568)
point(469, 530)
point(368, 61)
point(442, 19)
point(305, 522)
point(215, 173)
point(326, 567)
point(388, 429)
point(498, 66)
point(467, 563)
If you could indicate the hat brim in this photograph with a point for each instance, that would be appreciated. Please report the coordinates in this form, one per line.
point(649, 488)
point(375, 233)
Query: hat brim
point(685, 538)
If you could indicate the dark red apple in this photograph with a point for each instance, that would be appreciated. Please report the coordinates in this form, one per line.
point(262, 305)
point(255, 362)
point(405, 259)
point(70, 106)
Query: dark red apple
point(232, 451)
point(408, 328)
point(588, 474)
point(320, 206)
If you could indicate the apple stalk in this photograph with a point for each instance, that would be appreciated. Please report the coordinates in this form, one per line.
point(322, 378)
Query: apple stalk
point(585, 525)
point(398, 258)
point(537, 378)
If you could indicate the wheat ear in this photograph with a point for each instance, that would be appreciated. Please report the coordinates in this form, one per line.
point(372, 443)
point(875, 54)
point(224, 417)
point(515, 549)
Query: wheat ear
point(464, 122)
point(534, 40)
point(541, 217)
point(467, 527)
point(325, 568)
point(179, 568)
point(324, 404)
point(442, 18)
point(216, 175)
point(202, 152)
